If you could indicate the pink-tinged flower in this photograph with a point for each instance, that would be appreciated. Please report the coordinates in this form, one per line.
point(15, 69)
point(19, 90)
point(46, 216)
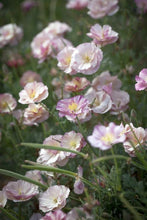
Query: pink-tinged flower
point(57, 28)
point(20, 190)
point(72, 141)
point(104, 137)
point(33, 92)
point(86, 58)
point(77, 84)
point(134, 138)
point(73, 108)
point(61, 94)
point(55, 215)
point(74, 214)
point(52, 157)
point(27, 5)
point(64, 58)
point(34, 114)
point(41, 46)
point(77, 4)
point(102, 35)
point(35, 175)
point(18, 114)
point(10, 34)
point(100, 100)
point(53, 198)
point(3, 198)
point(142, 6)
point(141, 80)
point(58, 44)
point(36, 216)
point(14, 60)
point(1, 5)
point(29, 76)
point(120, 100)
point(79, 185)
point(106, 82)
point(7, 103)
point(101, 8)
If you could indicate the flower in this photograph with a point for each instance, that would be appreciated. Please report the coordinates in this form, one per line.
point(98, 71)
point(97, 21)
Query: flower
point(20, 190)
point(79, 185)
point(104, 137)
point(53, 198)
point(64, 60)
point(57, 29)
point(36, 216)
point(142, 6)
point(10, 34)
point(29, 76)
point(141, 80)
point(7, 103)
point(35, 175)
point(3, 198)
point(134, 138)
point(86, 58)
point(33, 92)
point(100, 100)
point(102, 35)
point(34, 114)
point(101, 8)
point(106, 82)
point(55, 215)
point(73, 108)
point(52, 157)
point(77, 4)
point(77, 84)
point(41, 46)
point(73, 141)
point(28, 4)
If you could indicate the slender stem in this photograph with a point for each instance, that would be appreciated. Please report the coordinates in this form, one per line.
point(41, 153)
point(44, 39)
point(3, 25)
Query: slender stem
point(19, 176)
point(33, 145)
point(7, 213)
point(118, 182)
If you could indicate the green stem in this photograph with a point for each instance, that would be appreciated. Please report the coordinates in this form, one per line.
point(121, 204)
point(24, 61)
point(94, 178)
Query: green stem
point(39, 146)
point(7, 213)
point(118, 182)
point(21, 177)
point(130, 207)
point(58, 170)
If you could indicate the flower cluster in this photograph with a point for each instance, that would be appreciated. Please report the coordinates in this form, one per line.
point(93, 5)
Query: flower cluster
point(10, 34)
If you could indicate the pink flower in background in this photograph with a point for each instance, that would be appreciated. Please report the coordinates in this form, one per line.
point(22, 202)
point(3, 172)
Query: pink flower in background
point(77, 84)
point(1, 5)
point(142, 5)
point(55, 215)
point(33, 92)
point(102, 35)
point(36, 216)
point(52, 157)
point(41, 46)
point(100, 100)
point(3, 198)
point(86, 58)
point(141, 80)
point(35, 175)
point(7, 103)
point(73, 108)
point(106, 82)
point(104, 137)
point(77, 4)
point(58, 44)
point(64, 60)
point(72, 141)
point(34, 114)
point(27, 5)
point(14, 60)
point(79, 185)
point(57, 29)
point(20, 191)
point(53, 198)
point(29, 76)
point(120, 100)
point(101, 8)
point(10, 34)
point(134, 137)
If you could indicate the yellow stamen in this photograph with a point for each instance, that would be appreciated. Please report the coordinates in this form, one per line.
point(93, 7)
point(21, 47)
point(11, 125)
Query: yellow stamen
point(73, 106)
point(108, 138)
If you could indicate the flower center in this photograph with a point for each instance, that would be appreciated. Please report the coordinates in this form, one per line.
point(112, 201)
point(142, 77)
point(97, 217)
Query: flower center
point(73, 144)
point(32, 95)
point(73, 106)
point(108, 138)
point(4, 105)
point(68, 60)
point(86, 59)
